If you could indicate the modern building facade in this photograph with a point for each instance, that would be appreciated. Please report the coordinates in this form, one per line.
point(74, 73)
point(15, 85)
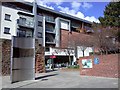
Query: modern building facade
point(53, 29)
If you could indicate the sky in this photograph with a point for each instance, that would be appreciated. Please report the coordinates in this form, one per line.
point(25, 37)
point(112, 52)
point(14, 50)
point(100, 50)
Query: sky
point(90, 11)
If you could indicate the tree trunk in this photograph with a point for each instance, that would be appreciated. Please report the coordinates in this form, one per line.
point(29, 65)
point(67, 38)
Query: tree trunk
point(69, 60)
point(83, 53)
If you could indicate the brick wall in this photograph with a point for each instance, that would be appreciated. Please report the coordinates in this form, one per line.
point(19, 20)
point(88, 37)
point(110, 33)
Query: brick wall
point(73, 37)
point(5, 52)
point(108, 66)
point(39, 58)
point(6, 55)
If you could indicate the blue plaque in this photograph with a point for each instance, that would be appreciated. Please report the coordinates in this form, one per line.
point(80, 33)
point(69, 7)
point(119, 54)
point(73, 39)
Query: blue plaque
point(96, 60)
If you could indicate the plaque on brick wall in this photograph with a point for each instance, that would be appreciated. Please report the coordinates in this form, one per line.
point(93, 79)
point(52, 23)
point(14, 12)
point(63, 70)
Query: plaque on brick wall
point(87, 63)
point(22, 59)
point(96, 60)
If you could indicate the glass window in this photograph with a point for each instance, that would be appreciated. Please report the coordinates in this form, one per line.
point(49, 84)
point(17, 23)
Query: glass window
point(49, 18)
point(39, 23)
point(6, 30)
point(39, 35)
point(22, 20)
point(21, 33)
point(28, 33)
point(47, 49)
point(7, 17)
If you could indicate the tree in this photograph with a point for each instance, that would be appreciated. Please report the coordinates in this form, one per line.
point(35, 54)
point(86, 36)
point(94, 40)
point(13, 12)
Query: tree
point(83, 42)
point(105, 39)
point(111, 15)
point(110, 23)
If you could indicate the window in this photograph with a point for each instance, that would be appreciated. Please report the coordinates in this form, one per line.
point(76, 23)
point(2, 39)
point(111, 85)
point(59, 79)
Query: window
point(64, 25)
point(7, 17)
point(6, 30)
point(39, 23)
point(22, 20)
point(49, 18)
point(21, 33)
point(29, 34)
point(39, 35)
point(47, 49)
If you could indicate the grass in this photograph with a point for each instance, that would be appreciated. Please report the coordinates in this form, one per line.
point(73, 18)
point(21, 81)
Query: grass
point(73, 67)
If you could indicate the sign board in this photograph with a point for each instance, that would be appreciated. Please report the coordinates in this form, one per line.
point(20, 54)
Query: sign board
point(22, 59)
point(53, 56)
point(87, 63)
point(96, 60)
point(62, 52)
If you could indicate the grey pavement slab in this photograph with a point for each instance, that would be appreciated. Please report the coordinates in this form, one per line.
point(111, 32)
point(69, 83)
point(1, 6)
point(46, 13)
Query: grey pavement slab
point(62, 79)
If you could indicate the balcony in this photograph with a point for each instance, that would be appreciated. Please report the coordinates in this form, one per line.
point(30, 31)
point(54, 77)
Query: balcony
point(25, 23)
point(52, 31)
point(47, 42)
point(50, 20)
point(49, 39)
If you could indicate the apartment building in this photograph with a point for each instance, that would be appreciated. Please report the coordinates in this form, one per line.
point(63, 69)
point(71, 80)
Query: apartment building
point(53, 29)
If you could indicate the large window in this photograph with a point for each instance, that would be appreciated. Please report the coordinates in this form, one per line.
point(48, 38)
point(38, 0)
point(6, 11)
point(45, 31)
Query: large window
point(24, 33)
point(21, 33)
point(29, 33)
point(6, 30)
point(7, 17)
point(22, 20)
point(49, 18)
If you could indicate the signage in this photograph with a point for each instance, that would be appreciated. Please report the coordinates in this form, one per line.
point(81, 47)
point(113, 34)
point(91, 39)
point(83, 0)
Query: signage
point(96, 60)
point(53, 56)
point(86, 63)
point(62, 51)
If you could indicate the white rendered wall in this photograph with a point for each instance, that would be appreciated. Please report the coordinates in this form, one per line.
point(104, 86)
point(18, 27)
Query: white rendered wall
point(10, 24)
point(86, 52)
point(64, 25)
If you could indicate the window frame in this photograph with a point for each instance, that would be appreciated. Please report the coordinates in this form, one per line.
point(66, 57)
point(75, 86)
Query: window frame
point(8, 19)
point(39, 35)
point(6, 28)
point(40, 24)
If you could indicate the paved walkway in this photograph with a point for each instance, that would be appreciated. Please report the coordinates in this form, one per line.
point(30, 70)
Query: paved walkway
point(62, 79)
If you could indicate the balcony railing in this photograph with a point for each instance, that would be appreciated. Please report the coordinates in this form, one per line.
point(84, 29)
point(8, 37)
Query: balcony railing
point(50, 42)
point(49, 19)
point(28, 24)
point(50, 31)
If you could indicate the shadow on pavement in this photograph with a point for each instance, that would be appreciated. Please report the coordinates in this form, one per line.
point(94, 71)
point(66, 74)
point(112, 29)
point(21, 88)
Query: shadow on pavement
point(41, 77)
point(47, 71)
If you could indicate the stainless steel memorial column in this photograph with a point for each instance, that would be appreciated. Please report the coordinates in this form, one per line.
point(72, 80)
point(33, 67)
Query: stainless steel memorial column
point(22, 59)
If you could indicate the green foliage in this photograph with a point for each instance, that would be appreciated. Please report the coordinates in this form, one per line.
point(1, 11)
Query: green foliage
point(111, 15)
point(73, 67)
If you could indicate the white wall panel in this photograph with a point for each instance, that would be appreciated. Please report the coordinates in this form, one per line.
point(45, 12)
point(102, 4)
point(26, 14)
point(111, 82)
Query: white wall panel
point(10, 24)
point(64, 25)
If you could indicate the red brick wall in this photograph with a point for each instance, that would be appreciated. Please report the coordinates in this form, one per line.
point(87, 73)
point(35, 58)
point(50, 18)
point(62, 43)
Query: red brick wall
point(108, 66)
point(39, 58)
point(6, 56)
point(73, 37)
